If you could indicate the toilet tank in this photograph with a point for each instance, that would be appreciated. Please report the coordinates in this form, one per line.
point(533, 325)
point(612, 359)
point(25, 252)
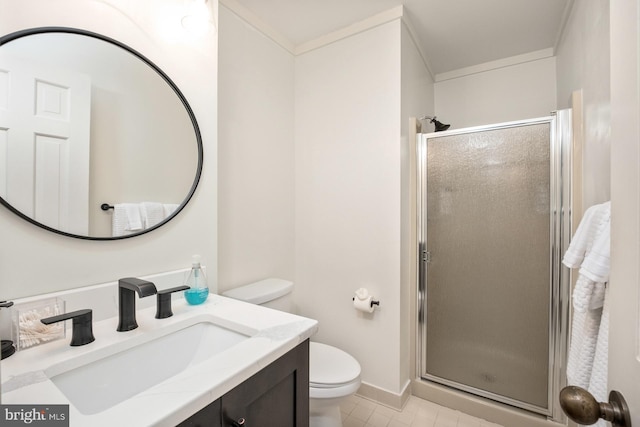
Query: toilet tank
point(272, 293)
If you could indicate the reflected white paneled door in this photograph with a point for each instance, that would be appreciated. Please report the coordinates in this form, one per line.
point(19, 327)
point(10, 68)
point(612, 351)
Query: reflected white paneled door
point(44, 143)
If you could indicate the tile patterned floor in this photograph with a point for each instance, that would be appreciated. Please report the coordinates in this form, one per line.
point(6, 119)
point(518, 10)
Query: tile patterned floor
point(360, 412)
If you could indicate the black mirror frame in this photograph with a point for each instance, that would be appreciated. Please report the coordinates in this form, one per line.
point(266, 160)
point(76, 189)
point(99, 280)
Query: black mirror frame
point(68, 30)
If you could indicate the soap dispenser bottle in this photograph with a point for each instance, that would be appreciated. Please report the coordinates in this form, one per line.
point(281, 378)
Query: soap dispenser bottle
point(197, 281)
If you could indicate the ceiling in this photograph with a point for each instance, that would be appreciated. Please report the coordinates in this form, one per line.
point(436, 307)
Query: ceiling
point(453, 34)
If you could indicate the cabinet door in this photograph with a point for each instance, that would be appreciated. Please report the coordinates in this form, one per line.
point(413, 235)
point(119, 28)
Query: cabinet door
point(207, 417)
point(276, 396)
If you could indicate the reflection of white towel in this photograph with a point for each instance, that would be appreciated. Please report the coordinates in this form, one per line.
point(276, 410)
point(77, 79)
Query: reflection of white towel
point(169, 208)
point(590, 250)
point(129, 218)
point(126, 219)
point(152, 213)
point(134, 218)
point(118, 221)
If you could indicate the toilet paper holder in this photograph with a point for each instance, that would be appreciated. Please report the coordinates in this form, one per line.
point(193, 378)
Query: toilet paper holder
point(372, 302)
point(364, 301)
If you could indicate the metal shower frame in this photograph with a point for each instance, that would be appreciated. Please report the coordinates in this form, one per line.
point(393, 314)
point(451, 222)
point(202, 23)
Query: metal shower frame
point(560, 276)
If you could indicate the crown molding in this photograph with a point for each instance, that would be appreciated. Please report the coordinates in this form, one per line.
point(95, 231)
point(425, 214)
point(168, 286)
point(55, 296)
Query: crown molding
point(253, 19)
point(494, 65)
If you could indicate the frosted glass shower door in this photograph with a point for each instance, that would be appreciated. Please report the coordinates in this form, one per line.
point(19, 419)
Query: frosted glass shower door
point(487, 262)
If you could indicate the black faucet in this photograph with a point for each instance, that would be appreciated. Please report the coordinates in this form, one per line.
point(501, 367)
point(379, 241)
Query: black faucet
point(82, 328)
point(163, 301)
point(127, 300)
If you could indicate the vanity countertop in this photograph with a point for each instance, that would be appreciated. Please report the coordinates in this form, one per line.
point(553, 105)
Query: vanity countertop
point(25, 375)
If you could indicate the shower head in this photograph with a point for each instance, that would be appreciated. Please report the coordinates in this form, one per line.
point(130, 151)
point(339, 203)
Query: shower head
point(438, 125)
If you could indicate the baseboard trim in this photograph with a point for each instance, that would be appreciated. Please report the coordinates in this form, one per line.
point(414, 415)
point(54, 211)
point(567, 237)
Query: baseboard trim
point(385, 397)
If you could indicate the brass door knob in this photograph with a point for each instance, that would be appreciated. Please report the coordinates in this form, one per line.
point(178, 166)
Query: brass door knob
point(581, 407)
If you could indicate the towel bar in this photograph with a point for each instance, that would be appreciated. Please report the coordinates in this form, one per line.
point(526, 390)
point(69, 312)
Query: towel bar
point(106, 206)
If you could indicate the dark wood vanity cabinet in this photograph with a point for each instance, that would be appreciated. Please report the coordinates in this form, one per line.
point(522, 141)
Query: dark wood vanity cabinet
point(278, 396)
point(207, 417)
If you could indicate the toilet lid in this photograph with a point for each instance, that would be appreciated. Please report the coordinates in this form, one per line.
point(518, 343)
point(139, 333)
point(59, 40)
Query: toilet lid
point(330, 366)
point(260, 292)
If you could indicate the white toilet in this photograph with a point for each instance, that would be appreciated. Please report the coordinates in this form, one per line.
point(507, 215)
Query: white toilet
point(333, 373)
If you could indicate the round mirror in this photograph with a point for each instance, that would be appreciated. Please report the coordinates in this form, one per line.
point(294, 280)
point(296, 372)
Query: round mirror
point(96, 142)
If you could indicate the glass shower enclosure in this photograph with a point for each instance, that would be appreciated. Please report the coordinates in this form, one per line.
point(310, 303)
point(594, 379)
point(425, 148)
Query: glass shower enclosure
point(494, 222)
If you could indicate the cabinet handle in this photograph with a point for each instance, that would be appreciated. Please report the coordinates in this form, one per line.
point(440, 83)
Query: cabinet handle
point(239, 423)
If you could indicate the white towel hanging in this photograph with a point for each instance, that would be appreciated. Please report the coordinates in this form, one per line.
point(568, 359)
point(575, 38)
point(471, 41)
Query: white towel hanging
point(129, 218)
point(590, 251)
point(126, 219)
point(169, 208)
point(152, 213)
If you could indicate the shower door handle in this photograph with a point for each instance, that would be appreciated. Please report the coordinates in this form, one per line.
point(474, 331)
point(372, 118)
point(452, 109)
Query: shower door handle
point(581, 407)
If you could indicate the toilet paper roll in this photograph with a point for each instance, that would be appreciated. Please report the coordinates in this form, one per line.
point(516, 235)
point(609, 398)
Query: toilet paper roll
point(363, 304)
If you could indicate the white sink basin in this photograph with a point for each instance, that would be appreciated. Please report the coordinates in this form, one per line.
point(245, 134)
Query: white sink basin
point(99, 385)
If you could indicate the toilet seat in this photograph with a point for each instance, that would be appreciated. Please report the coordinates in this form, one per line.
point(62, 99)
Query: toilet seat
point(332, 372)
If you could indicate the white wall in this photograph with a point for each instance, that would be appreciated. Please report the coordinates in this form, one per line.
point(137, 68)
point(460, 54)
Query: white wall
point(35, 261)
point(353, 98)
point(417, 101)
point(583, 58)
point(485, 95)
point(256, 168)
point(348, 194)
point(624, 289)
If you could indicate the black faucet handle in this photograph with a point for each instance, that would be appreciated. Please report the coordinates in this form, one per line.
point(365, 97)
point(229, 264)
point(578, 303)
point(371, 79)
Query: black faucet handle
point(163, 301)
point(82, 325)
point(6, 304)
